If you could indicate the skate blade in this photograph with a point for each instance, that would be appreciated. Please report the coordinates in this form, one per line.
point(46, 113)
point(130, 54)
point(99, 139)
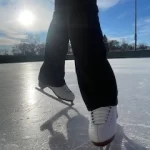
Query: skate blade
point(105, 148)
point(55, 98)
point(42, 87)
point(60, 97)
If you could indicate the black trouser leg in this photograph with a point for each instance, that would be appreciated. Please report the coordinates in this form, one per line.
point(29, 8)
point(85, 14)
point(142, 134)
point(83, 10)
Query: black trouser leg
point(52, 70)
point(95, 76)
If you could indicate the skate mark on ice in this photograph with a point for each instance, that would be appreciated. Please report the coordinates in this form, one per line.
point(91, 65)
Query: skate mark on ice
point(55, 98)
point(136, 125)
point(11, 147)
point(33, 107)
point(122, 141)
point(7, 118)
point(15, 110)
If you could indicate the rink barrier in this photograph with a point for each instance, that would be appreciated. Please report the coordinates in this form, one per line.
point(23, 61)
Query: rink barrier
point(127, 54)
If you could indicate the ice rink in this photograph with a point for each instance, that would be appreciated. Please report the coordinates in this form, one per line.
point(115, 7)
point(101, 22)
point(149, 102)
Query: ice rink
point(30, 120)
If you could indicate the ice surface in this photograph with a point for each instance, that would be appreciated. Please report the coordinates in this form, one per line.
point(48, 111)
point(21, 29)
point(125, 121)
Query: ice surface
point(26, 138)
point(30, 120)
point(11, 147)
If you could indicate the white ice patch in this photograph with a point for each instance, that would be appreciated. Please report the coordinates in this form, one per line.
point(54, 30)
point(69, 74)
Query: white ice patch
point(11, 147)
point(2, 140)
point(26, 138)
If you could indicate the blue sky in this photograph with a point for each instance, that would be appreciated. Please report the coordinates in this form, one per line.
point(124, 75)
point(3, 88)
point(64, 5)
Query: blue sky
point(116, 17)
point(118, 21)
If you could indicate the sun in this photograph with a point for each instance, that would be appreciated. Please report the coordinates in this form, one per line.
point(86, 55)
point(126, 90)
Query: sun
point(26, 18)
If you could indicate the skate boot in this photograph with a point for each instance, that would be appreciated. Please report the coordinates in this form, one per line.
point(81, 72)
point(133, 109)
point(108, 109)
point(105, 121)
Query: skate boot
point(103, 125)
point(62, 92)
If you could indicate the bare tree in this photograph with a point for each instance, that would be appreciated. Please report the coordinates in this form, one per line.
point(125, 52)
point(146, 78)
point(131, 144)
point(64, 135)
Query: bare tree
point(4, 52)
point(143, 46)
point(124, 45)
point(114, 45)
point(27, 46)
point(40, 49)
point(105, 39)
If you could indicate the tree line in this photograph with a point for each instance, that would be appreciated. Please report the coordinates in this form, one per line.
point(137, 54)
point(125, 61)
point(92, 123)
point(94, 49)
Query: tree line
point(123, 45)
point(32, 47)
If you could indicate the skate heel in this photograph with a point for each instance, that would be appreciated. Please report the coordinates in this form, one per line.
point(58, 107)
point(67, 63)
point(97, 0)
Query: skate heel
point(103, 144)
point(42, 86)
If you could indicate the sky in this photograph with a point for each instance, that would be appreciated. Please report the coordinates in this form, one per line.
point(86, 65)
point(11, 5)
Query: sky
point(20, 18)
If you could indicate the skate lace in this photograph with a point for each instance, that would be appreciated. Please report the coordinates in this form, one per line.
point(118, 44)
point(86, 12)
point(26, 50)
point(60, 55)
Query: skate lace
point(100, 116)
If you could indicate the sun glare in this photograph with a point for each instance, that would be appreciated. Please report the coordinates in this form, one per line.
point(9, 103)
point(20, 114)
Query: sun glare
point(26, 18)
